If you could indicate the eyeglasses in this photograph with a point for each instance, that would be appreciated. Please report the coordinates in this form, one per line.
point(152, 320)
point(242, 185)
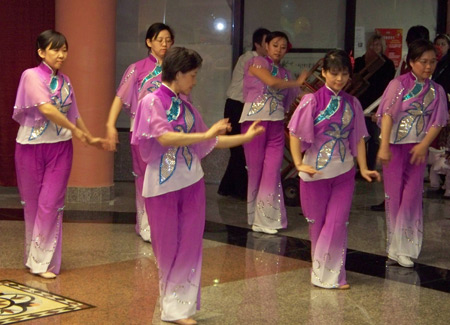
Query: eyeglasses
point(162, 40)
point(426, 62)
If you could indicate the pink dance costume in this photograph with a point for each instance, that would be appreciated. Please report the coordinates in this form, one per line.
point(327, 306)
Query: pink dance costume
point(414, 107)
point(43, 161)
point(140, 79)
point(175, 190)
point(264, 154)
point(330, 127)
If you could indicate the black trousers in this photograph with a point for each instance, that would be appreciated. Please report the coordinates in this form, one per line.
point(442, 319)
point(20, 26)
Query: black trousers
point(373, 144)
point(234, 181)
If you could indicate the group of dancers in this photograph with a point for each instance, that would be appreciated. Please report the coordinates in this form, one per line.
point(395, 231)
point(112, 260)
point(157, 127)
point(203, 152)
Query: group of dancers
point(169, 139)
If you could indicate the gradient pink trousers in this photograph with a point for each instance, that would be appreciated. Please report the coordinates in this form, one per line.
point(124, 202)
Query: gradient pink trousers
point(326, 206)
point(177, 221)
point(42, 174)
point(264, 156)
point(403, 187)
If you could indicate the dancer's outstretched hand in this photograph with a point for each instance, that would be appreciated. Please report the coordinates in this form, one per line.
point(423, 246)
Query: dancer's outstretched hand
point(219, 128)
point(254, 130)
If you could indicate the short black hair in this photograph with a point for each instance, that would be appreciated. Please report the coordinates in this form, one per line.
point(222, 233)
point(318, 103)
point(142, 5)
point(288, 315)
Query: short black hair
point(51, 37)
point(258, 36)
point(417, 32)
point(276, 34)
point(417, 48)
point(337, 59)
point(154, 30)
point(179, 59)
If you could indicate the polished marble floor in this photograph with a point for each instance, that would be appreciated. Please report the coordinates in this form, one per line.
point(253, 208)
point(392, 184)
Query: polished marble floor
point(248, 278)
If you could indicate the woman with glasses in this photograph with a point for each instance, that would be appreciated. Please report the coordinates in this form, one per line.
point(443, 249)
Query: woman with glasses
point(412, 111)
point(140, 79)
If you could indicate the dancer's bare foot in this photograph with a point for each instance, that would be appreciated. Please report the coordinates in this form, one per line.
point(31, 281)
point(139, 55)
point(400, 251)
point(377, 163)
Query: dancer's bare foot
point(185, 321)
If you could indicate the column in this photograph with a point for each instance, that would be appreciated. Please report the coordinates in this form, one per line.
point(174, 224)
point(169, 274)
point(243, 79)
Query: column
point(89, 26)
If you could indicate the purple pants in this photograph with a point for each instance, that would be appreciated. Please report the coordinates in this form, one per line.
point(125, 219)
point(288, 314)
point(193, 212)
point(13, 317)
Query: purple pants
point(177, 221)
point(326, 205)
point(42, 174)
point(403, 187)
point(139, 166)
point(264, 156)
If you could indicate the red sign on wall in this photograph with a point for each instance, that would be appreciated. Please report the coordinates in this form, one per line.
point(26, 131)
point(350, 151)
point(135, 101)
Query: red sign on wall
point(393, 38)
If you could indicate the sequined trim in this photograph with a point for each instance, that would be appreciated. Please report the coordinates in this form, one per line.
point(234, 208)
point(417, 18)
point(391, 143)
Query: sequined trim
point(274, 71)
point(141, 215)
point(178, 299)
point(394, 100)
point(128, 76)
point(213, 146)
point(37, 131)
point(168, 164)
point(269, 208)
point(409, 234)
point(35, 105)
point(155, 72)
point(338, 136)
point(316, 266)
point(305, 103)
point(54, 84)
point(330, 110)
point(36, 243)
point(174, 111)
point(154, 85)
point(271, 97)
point(414, 92)
point(430, 96)
point(168, 161)
point(59, 100)
point(415, 115)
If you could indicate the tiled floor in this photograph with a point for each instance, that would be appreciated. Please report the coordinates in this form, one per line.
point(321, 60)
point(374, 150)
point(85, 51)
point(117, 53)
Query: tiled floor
point(248, 278)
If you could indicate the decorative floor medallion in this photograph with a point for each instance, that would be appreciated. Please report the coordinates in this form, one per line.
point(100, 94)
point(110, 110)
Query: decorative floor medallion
point(19, 303)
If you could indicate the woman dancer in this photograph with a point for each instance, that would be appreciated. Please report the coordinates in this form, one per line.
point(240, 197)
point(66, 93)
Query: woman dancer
point(48, 115)
point(139, 79)
point(268, 93)
point(412, 111)
point(172, 140)
point(327, 132)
